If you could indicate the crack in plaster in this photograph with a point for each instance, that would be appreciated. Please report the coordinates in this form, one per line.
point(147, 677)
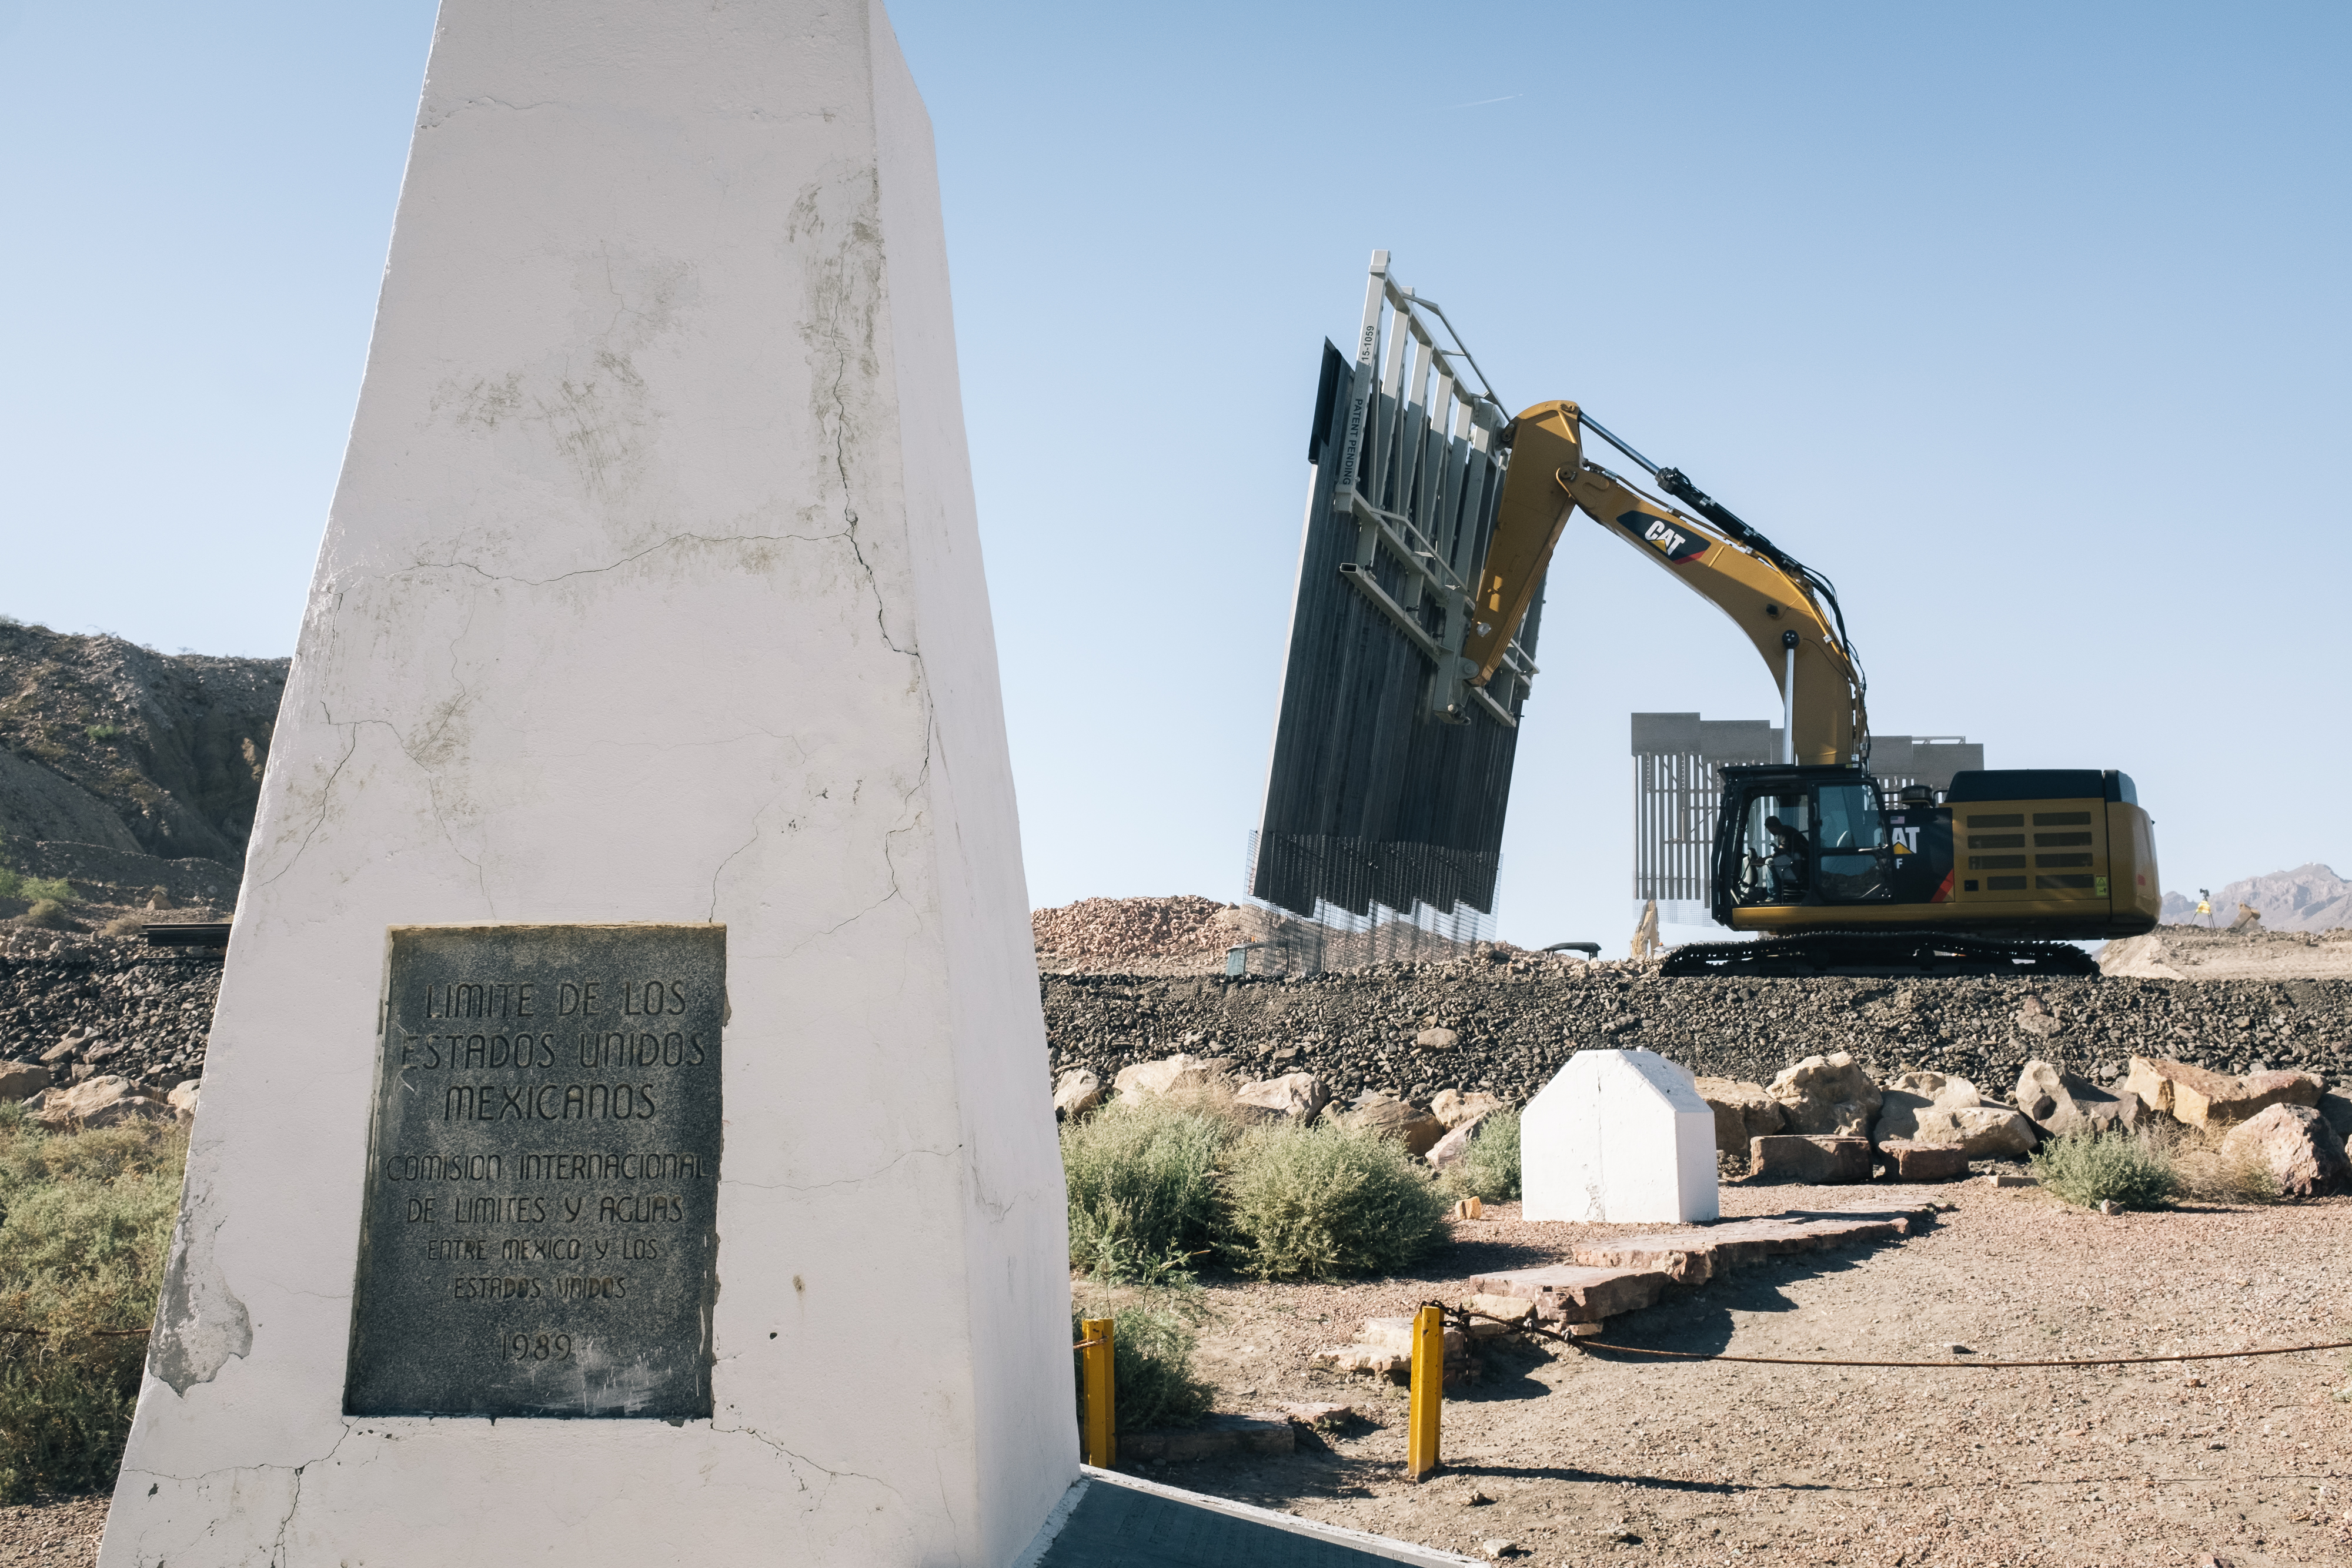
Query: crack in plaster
point(720, 869)
point(201, 1476)
point(874, 1175)
point(798, 1460)
point(481, 101)
point(668, 543)
point(432, 774)
point(326, 796)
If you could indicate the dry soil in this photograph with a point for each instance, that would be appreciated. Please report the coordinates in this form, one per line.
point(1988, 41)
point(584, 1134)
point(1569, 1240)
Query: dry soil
point(1576, 1459)
point(56, 1532)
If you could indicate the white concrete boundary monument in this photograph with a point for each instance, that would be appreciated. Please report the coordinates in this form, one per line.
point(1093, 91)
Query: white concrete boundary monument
point(649, 629)
point(1619, 1136)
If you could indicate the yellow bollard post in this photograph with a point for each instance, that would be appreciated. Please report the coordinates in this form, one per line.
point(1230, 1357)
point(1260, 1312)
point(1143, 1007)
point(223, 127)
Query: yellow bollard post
point(1428, 1391)
point(1102, 1412)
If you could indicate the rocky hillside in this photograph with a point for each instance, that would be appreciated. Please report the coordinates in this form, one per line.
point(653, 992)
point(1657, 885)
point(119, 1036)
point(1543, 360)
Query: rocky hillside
point(2308, 898)
point(121, 767)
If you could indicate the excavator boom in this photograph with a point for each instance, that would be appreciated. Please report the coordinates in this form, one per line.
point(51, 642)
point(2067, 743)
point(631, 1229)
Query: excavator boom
point(1766, 594)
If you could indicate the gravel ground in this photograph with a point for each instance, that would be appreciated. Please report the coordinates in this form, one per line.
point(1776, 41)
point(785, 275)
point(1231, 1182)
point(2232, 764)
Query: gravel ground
point(56, 1532)
point(149, 1009)
point(1579, 1460)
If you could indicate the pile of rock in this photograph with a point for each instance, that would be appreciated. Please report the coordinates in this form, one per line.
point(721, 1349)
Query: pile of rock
point(88, 1006)
point(1105, 933)
point(1514, 1022)
point(99, 1101)
point(1825, 1120)
point(2285, 1122)
point(1440, 1130)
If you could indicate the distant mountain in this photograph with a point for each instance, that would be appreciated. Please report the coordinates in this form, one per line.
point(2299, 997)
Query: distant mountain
point(2308, 898)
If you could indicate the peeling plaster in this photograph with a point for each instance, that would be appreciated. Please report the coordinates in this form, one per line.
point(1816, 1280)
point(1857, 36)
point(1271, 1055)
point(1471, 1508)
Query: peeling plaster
point(199, 1323)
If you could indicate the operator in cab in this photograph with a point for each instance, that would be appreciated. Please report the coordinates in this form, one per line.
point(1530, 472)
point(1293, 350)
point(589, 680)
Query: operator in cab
point(1786, 868)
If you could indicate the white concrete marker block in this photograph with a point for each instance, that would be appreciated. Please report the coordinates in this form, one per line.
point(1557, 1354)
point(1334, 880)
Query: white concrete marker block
point(1622, 1137)
point(651, 592)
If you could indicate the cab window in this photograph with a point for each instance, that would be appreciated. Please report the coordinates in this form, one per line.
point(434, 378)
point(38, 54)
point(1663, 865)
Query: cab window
point(1855, 863)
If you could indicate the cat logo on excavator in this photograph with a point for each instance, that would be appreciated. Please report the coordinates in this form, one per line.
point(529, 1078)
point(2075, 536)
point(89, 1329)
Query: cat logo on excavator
point(1673, 543)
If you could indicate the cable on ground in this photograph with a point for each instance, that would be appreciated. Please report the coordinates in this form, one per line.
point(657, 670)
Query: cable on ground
point(1462, 1316)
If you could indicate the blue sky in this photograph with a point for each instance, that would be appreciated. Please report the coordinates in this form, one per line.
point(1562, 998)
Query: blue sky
point(2025, 323)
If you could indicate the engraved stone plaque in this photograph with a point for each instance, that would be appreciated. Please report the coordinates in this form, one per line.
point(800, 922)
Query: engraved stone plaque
point(541, 1233)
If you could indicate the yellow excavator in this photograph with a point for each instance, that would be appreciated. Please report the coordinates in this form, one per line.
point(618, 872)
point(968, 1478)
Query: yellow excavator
point(1837, 873)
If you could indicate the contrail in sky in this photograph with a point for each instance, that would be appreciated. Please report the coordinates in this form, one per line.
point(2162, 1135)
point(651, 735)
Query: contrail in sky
point(1477, 102)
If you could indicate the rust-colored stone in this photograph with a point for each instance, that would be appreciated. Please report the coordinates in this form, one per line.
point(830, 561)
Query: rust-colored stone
point(1821, 1159)
point(1578, 1294)
point(1925, 1162)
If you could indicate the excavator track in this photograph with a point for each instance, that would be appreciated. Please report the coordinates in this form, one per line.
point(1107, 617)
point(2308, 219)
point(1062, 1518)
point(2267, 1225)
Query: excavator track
point(1926, 953)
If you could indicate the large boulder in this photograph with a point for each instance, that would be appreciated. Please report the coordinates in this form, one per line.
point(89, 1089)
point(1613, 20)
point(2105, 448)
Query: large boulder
point(1436, 1038)
point(1298, 1096)
point(1453, 1108)
point(2062, 1102)
point(1925, 1162)
point(184, 1097)
point(2296, 1143)
point(1819, 1159)
point(1980, 1132)
point(19, 1079)
point(1384, 1114)
point(99, 1101)
point(2335, 1109)
point(1169, 1075)
point(1449, 1149)
point(2202, 1098)
point(1827, 1094)
point(1075, 1093)
point(1743, 1111)
point(1910, 1093)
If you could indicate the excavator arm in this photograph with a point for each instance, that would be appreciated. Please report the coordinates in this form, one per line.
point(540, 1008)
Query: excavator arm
point(1766, 594)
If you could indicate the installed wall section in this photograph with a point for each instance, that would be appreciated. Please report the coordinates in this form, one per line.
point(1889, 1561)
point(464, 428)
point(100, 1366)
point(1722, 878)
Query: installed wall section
point(1370, 801)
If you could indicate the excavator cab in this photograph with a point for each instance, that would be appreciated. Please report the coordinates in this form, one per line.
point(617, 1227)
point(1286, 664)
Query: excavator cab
point(1805, 836)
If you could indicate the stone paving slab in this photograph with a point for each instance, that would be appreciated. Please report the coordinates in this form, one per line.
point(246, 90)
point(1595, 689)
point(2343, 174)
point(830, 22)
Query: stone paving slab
point(1576, 1294)
point(1624, 1273)
point(1694, 1257)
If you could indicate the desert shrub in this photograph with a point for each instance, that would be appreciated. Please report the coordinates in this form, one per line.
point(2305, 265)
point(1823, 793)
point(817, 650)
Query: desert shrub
point(39, 889)
point(48, 914)
point(1489, 1167)
point(1323, 1201)
point(1143, 1184)
point(2131, 1170)
point(1152, 1380)
point(85, 1227)
point(2210, 1175)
